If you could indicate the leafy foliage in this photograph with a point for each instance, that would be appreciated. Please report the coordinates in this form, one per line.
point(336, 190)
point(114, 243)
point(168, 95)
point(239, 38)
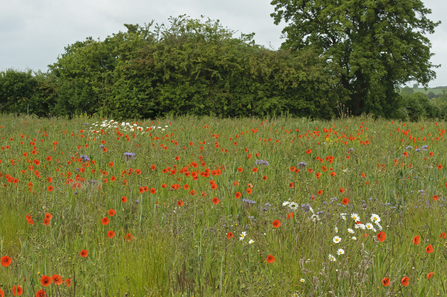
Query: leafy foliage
point(374, 43)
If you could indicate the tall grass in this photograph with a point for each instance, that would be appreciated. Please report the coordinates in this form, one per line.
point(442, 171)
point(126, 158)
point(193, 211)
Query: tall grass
point(173, 238)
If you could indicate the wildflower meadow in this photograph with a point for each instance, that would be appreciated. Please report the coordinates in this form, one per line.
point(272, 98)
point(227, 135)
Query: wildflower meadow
point(206, 206)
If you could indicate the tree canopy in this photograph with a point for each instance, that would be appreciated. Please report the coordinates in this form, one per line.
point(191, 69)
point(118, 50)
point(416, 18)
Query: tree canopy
point(374, 43)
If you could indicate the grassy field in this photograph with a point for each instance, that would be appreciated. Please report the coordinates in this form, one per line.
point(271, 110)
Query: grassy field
point(210, 207)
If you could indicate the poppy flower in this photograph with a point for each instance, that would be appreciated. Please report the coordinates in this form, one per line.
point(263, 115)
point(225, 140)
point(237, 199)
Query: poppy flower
point(230, 235)
point(41, 293)
point(68, 282)
point(112, 212)
point(405, 281)
point(57, 279)
point(270, 259)
point(215, 200)
point(45, 280)
point(238, 195)
point(416, 240)
point(276, 223)
point(345, 201)
point(381, 236)
point(250, 185)
point(249, 191)
point(386, 281)
point(180, 203)
point(17, 290)
point(435, 197)
point(141, 190)
point(46, 222)
point(153, 190)
point(105, 221)
point(429, 275)
point(50, 188)
point(84, 253)
point(124, 199)
point(128, 237)
point(429, 249)
point(111, 234)
point(291, 215)
point(443, 235)
point(342, 190)
point(320, 192)
point(111, 164)
point(6, 261)
point(291, 185)
point(264, 177)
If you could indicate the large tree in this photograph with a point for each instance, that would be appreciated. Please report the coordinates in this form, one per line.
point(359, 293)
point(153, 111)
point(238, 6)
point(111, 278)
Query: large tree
point(373, 41)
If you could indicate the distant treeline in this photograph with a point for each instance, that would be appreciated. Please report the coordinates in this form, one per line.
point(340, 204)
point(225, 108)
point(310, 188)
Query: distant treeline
point(136, 75)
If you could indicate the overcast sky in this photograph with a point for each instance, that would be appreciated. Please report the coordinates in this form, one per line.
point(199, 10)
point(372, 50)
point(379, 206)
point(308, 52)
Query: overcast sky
point(35, 32)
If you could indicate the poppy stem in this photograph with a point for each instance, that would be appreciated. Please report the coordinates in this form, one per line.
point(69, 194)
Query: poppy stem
point(74, 281)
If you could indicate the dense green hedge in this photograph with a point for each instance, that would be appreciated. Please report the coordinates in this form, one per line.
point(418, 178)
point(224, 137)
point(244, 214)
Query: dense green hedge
point(194, 69)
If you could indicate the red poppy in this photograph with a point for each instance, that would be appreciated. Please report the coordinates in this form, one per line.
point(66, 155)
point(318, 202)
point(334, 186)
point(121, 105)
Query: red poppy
point(429, 275)
point(6, 261)
point(416, 240)
point(17, 290)
point(270, 259)
point(215, 200)
point(68, 281)
point(111, 164)
point(40, 293)
point(264, 177)
point(291, 215)
point(238, 195)
point(276, 223)
point(124, 199)
point(443, 235)
point(50, 188)
point(112, 212)
point(405, 281)
point(249, 191)
point(381, 236)
point(345, 201)
point(48, 216)
point(153, 190)
point(128, 237)
point(230, 235)
point(141, 190)
point(57, 279)
point(84, 253)
point(105, 221)
point(45, 280)
point(386, 281)
point(111, 234)
point(291, 185)
point(342, 190)
point(138, 171)
point(180, 203)
point(429, 249)
point(435, 197)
